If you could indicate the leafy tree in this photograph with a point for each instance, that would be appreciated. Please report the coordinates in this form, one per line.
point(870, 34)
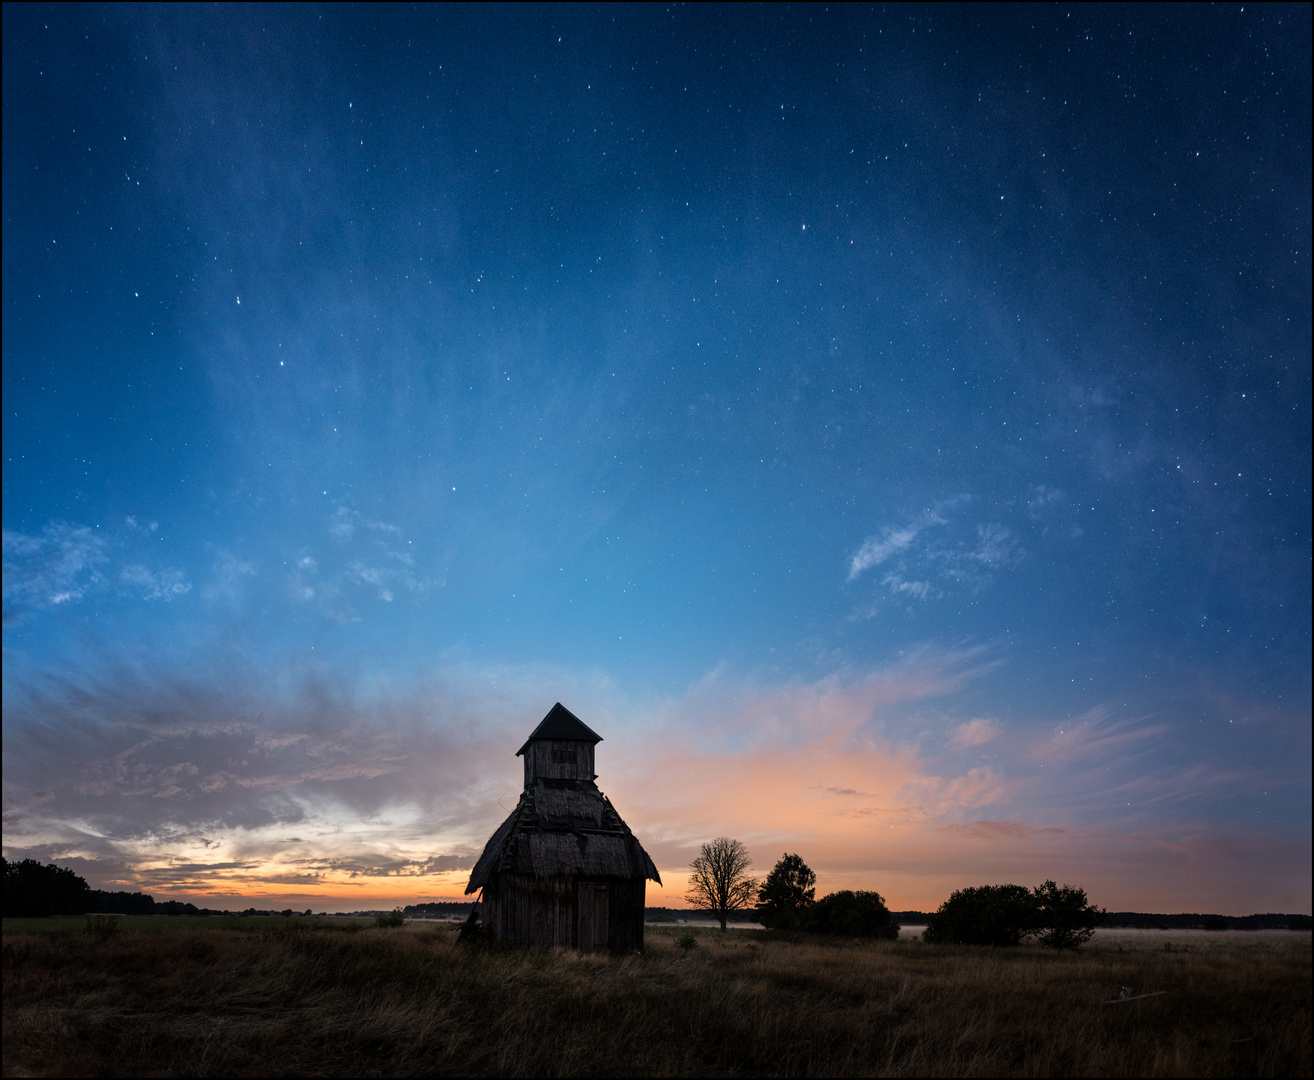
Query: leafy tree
point(1066, 920)
point(787, 891)
point(850, 914)
point(395, 917)
point(985, 915)
point(33, 889)
point(720, 881)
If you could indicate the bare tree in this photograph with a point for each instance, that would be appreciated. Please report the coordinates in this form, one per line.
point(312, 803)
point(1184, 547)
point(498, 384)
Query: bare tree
point(719, 881)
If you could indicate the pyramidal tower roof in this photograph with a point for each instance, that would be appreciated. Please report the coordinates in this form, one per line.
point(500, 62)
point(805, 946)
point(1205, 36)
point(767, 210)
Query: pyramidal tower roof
point(563, 826)
point(561, 723)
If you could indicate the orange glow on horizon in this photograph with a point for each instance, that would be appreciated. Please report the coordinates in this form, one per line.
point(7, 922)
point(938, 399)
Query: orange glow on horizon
point(912, 810)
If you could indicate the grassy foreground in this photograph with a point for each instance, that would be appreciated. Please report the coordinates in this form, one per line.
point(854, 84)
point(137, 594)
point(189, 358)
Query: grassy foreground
point(313, 1000)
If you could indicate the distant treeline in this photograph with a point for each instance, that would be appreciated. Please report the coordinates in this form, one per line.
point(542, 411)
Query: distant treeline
point(677, 915)
point(1137, 919)
point(35, 890)
point(1141, 920)
point(458, 910)
point(439, 910)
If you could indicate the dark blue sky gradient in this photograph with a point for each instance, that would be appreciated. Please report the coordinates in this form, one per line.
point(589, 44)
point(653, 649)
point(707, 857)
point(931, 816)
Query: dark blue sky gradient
point(650, 343)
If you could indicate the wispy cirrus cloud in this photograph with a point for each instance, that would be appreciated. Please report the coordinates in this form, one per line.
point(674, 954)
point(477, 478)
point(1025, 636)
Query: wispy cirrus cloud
point(345, 522)
point(1094, 733)
point(68, 562)
point(228, 573)
point(389, 578)
point(58, 566)
point(988, 831)
point(367, 554)
point(891, 541)
point(996, 545)
point(163, 584)
point(936, 553)
point(1041, 498)
point(917, 590)
point(350, 564)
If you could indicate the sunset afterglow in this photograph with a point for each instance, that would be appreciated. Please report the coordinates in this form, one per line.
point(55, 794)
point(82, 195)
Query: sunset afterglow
point(889, 430)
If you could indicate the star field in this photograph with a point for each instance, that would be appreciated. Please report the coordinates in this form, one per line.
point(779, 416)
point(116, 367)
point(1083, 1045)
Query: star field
point(889, 428)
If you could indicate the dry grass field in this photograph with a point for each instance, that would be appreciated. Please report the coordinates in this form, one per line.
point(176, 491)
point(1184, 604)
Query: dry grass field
point(309, 1000)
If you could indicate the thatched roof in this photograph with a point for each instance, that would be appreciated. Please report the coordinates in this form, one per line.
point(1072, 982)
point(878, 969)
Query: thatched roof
point(561, 723)
point(563, 828)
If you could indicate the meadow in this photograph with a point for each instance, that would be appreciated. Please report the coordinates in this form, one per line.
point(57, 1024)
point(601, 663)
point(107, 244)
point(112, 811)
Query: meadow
point(336, 997)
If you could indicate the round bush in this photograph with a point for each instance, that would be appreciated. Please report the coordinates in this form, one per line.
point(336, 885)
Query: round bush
point(850, 914)
point(985, 915)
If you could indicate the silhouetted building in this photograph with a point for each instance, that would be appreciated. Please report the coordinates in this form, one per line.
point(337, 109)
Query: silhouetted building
point(564, 868)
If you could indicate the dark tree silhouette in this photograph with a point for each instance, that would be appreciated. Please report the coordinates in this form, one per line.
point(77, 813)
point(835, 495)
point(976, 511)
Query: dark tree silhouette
point(719, 881)
point(1066, 920)
point(985, 915)
point(34, 889)
point(850, 914)
point(787, 891)
point(120, 903)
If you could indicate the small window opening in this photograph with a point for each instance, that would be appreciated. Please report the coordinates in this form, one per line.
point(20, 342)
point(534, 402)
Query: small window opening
point(564, 757)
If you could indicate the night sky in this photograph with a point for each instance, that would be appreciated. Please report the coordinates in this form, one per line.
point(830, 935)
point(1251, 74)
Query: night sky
point(889, 428)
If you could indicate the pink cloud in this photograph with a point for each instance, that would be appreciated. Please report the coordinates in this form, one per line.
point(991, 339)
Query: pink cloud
point(162, 782)
point(974, 733)
point(1094, 733)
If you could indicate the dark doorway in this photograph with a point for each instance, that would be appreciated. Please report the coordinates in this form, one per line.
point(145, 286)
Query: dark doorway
point(594, 900)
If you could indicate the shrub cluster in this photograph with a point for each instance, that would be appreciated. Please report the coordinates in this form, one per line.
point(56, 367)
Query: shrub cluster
point(1002, 915)
point(986, 915)
point(1057, 916)
point(850, 914)
point(785, 902)
point(395, 917)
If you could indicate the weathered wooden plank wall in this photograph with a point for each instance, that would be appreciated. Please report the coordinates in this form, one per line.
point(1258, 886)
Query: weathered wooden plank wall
point(565, 912)
point(531, 911)
point(543, 758)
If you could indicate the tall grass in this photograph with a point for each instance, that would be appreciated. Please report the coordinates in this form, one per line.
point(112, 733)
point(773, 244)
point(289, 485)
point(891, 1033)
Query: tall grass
point(409, 1001)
